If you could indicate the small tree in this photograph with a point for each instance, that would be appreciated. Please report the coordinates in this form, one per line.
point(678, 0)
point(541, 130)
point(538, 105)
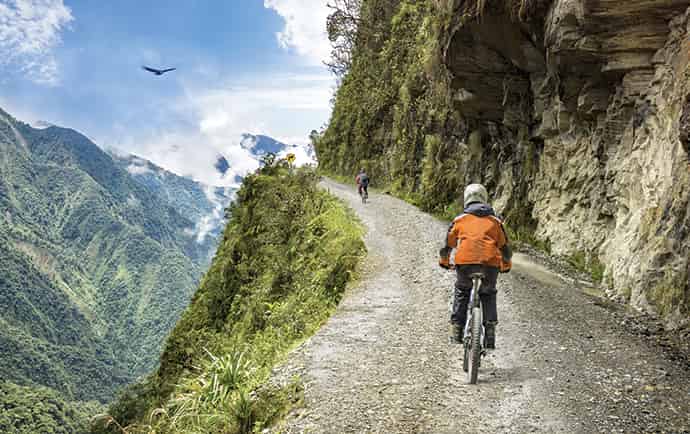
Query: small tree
point(342, 25)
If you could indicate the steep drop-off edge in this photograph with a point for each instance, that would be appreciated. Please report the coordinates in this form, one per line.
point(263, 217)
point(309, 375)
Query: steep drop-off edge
point(572, 112)
point(286, 256)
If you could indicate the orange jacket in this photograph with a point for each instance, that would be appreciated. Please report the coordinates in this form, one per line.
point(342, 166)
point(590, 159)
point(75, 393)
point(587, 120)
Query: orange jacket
point(478, 240)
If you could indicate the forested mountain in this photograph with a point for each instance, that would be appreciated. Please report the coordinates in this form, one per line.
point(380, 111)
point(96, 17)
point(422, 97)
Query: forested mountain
point(202, 204)
point(95, 264)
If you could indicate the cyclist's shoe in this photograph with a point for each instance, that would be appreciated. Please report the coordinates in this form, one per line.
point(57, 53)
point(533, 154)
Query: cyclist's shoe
point(490, 336)
point(456, 333)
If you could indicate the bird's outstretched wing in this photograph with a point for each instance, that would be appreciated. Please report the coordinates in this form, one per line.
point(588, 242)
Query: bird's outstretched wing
point(155, 71)
point(168, 70)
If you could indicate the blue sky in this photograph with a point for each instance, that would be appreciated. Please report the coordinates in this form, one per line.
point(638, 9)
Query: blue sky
point(244, 66)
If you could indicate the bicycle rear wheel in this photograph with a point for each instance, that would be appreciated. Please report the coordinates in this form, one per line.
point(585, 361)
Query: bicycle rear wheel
point(474, 352)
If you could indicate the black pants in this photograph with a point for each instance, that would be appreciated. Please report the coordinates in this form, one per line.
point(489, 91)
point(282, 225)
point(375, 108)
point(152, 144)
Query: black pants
point(487, 293)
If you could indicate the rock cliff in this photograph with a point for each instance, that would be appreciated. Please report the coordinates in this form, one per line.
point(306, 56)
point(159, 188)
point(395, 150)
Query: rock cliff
point(575, 114)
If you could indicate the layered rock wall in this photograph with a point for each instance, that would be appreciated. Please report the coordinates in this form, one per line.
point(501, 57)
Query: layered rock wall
point(574, 113)
point(584, 107)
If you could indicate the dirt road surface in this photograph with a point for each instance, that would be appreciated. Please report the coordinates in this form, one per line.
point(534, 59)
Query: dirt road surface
point(564, 363)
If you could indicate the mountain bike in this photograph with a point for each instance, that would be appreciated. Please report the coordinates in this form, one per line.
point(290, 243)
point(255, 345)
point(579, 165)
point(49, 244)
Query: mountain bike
point(473, 337)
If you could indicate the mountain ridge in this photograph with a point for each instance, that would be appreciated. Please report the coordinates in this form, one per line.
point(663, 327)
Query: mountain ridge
point(201, 203)
point(96, 264)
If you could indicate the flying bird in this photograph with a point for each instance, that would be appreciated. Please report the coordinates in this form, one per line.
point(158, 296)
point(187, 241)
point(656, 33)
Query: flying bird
point(157, 71)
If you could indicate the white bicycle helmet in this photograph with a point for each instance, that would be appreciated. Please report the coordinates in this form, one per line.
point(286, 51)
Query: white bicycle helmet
point(476, 193)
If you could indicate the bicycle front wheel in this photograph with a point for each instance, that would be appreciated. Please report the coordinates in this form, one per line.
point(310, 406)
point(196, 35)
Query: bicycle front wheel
point(475, 346)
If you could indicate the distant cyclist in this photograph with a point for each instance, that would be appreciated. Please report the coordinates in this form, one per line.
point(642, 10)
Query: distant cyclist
point(481, 246)
point(362, 181)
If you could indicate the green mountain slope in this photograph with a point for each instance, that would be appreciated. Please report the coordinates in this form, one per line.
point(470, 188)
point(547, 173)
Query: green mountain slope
point(286, 256)
point(202, 204)
point(95, 266)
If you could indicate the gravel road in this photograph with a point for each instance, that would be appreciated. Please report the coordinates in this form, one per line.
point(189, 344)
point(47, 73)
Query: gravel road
point(565, 362)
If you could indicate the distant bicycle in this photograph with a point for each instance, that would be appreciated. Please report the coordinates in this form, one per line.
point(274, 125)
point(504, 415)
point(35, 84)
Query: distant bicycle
point(362, 181)
point(364, 194)
point(473, 336)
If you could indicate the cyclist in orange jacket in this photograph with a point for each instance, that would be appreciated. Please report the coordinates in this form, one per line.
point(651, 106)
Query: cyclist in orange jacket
point(481, 245)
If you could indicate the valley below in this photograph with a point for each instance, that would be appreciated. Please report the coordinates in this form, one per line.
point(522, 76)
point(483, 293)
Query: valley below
point(97, 265)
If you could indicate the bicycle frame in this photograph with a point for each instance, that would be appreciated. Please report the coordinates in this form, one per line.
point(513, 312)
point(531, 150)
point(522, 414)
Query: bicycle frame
point(473, 334)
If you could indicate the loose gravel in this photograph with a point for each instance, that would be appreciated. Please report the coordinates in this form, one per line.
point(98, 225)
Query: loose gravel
point(566, 362)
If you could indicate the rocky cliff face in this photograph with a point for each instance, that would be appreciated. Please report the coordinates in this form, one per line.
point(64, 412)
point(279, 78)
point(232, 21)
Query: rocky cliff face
point(575, 113)
point(594, 93)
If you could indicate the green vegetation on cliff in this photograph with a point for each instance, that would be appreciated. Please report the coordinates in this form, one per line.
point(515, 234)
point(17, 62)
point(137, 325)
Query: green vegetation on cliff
point(389, 111)
point(286, 256)
point(395, 115)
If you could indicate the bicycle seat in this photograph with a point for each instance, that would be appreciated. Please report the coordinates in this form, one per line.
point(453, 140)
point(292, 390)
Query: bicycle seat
point(477, 275)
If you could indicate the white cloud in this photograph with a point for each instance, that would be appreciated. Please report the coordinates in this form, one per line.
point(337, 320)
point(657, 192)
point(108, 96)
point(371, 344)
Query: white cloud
point(305, 27)
point(29, 31)
point(138, 170)
point(212, 221)
point(285, 107)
